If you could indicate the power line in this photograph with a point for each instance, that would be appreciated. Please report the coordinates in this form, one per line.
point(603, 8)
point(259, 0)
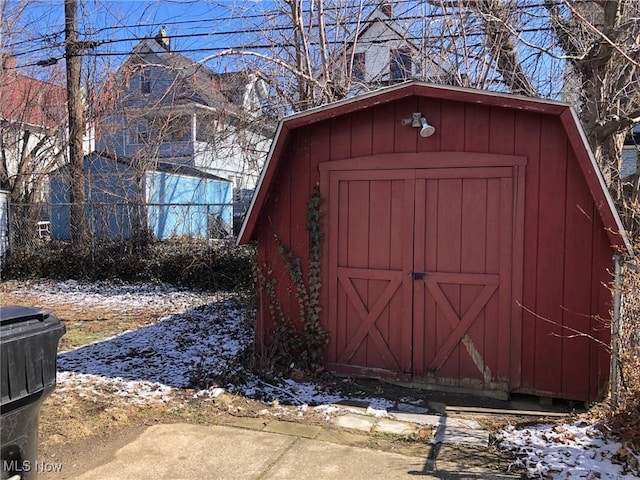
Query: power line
point(262, 46)
point(98, 43)
point(265, 16)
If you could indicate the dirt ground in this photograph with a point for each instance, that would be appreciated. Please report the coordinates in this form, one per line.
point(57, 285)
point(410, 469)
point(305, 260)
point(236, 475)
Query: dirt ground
point(79, 431)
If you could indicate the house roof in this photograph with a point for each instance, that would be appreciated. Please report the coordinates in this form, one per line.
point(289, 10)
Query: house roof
point(566, 114)
point(197, 82)
point(31, 101)
point(187, 171)
point(379, 15)
point(166, 167)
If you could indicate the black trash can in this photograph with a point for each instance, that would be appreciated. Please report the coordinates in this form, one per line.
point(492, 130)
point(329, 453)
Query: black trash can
point(28, 349)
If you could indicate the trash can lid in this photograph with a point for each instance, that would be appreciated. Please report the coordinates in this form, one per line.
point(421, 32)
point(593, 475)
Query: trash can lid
point(13, 314)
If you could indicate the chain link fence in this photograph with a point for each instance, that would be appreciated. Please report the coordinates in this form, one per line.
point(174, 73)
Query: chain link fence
point(37, 223)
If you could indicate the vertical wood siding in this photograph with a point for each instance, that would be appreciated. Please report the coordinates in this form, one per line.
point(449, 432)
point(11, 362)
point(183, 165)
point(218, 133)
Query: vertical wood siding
point(566, 251)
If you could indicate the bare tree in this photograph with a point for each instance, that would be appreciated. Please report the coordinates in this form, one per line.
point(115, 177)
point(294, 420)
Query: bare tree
point(600, 40)
point(313, 51)
point(32, 136)
point(32, 126)
point(582, 51)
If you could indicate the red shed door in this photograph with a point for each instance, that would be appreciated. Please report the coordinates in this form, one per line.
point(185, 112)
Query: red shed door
point(370, 253)
point(463, 253)
point(420, 273)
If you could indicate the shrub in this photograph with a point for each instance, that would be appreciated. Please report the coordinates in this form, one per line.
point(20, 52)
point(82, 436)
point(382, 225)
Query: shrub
point(630, 340)
point(193, 263)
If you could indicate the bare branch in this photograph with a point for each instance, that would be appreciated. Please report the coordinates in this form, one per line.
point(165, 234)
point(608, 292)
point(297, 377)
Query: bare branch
point(282, 63)
point(574, 332)
point(498, 33)
point(617, 125)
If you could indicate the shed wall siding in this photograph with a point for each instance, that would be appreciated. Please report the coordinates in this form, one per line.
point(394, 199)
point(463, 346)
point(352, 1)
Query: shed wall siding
point(566, 252)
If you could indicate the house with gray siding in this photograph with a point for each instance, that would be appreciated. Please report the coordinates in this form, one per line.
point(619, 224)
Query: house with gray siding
point(383, 50)
point(161, 106)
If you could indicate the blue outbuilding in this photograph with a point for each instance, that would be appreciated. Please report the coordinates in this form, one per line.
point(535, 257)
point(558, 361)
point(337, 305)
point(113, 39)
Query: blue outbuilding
point(122, 195)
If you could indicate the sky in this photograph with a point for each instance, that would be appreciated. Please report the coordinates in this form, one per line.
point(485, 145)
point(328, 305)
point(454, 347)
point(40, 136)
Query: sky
point(202, 29)
point(198, 28)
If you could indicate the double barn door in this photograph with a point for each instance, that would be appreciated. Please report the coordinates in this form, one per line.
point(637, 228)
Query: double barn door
point(422, 267)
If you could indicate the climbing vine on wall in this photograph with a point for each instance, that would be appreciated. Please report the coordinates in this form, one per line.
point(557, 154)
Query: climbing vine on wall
point(288, 346)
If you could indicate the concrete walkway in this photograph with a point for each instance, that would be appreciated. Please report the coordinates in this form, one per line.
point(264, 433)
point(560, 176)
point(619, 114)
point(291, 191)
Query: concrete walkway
point(408, 419)
point(183, 451)
point(259, 448)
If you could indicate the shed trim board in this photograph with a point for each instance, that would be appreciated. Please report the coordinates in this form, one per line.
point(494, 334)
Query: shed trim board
point(456, 260)
point(594, 177)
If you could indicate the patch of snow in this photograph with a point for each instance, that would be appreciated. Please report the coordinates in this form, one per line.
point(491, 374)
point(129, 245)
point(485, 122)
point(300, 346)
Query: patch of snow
point(95, 387)
point(179, 351)
point(565, 451)
point(198, 341)
point(108, 294)
point(328, 411)
point(376, 412)
point(212, 392)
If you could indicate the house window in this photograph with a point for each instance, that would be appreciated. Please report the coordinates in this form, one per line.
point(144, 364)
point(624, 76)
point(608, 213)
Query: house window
point(179, 129)
point(359, 66)
point(206, 129)
point(138, 132)
point(400, 65)
point(145, 83)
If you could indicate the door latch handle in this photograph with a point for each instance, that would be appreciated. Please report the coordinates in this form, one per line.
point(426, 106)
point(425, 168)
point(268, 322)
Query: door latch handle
point(417, 275)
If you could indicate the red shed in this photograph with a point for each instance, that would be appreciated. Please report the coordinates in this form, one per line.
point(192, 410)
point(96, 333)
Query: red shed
point(472, 258)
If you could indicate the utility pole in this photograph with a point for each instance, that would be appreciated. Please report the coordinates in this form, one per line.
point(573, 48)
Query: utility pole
point(78, 223)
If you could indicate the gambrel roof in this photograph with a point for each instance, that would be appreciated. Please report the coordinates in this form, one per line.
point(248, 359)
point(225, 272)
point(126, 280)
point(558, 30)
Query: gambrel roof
point(574, 132)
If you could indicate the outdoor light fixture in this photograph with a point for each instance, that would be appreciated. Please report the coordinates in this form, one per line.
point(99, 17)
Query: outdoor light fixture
point(426, 130)
point(418, 121)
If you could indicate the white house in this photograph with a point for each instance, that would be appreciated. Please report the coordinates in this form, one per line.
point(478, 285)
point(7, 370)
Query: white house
point(383, 51)
point(32, 132)
point(163, 106)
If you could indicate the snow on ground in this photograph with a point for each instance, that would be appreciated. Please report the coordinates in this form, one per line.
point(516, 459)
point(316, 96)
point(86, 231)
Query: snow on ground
point(134, 297)
point(565, 451)
point(179, 351)
point(93, 387)
point(202, 337)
